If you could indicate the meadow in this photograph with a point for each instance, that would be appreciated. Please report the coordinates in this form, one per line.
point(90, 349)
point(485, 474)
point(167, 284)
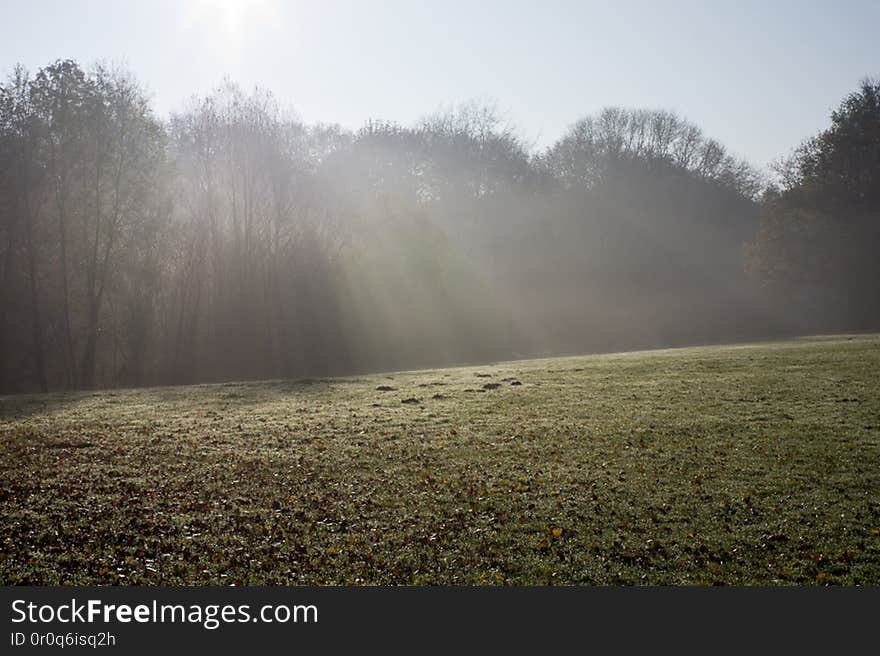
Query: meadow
point(745, 464)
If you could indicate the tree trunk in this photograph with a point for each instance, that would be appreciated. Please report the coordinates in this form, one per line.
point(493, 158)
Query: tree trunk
point(36, 315)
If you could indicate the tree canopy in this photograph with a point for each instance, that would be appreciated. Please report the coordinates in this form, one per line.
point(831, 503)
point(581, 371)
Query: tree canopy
point(820, 228)
point(232, 241)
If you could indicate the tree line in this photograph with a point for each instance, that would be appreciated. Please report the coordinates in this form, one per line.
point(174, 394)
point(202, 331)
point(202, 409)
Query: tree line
point(233, 241)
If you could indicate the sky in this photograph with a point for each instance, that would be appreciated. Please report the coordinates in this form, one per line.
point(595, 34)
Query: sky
point(759, 76)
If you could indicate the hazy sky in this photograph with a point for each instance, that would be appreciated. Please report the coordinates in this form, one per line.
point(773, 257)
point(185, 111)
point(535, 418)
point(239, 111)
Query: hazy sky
point(758, 75)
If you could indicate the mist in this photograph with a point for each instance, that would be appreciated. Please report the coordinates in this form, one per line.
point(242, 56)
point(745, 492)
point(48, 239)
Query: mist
point(232, 241)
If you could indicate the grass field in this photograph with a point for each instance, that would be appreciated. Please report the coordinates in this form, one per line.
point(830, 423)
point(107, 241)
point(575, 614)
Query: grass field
point(754, 464)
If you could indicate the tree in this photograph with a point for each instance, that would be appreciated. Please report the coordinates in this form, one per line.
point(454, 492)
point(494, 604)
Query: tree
point(617, 141)
point(21, 190)
point(820, 230)
point(82, 187)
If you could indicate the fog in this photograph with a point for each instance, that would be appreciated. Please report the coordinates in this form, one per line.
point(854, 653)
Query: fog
point(234, 242)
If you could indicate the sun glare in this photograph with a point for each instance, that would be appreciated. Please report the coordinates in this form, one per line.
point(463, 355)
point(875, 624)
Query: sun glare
point(230, 20)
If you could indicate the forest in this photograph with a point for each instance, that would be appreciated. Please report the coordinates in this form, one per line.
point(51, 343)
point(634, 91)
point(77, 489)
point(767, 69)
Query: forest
point(232, 241)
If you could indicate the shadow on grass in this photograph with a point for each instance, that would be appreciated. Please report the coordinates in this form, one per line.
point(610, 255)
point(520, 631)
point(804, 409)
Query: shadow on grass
point(22, 406)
